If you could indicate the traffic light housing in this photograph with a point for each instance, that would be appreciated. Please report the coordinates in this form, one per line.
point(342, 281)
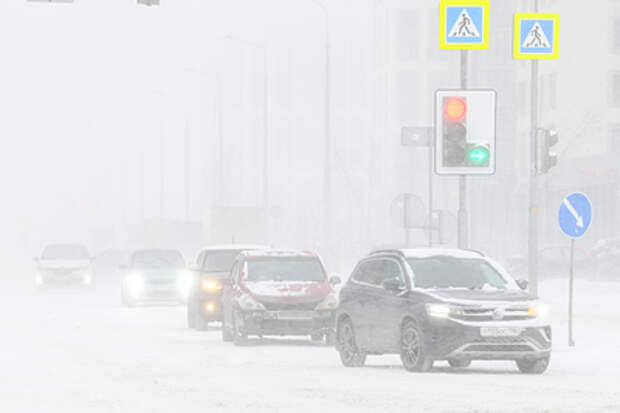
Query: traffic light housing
point(546, 157)
point(465, 132)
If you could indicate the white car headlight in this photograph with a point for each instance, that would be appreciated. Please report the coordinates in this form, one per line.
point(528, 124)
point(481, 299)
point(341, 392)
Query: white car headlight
point(88, 278)
point(184, 282)
point(539, 310)
point(38, 279)
point(135, 284)
point(329, 303)
point(247, 303)
point(442, 310)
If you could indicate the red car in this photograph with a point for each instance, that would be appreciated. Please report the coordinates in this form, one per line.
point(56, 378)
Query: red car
point(278, 293)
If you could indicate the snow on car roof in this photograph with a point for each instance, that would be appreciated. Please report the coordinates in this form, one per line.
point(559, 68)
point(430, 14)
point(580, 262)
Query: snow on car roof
point(432, 252)
point(278, 253)
point(232, 247)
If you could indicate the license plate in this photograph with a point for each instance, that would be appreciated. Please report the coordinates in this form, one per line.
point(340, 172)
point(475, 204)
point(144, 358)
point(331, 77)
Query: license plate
point(294, 315)
point(500, 331)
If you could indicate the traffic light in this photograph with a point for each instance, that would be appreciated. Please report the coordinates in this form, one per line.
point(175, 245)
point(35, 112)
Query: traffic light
point(547, 158)
point(465, 132)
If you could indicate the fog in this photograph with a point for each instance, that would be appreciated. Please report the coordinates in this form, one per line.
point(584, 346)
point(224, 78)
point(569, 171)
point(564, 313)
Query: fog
point(279, 123)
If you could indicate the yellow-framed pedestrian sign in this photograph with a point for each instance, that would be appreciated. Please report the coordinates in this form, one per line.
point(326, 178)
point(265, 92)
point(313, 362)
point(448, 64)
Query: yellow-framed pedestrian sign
point(464, 24)
point(536, 36)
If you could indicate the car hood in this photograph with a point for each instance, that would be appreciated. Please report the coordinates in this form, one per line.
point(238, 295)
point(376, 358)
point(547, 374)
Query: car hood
point(166, 274)
point(289, 292)
point(481, 296)
point(63, 264)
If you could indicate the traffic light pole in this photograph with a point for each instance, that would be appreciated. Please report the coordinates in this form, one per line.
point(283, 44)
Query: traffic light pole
point(532, 246)
point(462, 215)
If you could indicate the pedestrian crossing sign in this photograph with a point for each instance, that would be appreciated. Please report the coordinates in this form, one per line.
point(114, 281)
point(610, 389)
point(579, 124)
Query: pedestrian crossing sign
point(536, 36)
point(464, 24)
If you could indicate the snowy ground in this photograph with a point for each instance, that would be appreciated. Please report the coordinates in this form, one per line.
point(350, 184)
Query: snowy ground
point(76, 351)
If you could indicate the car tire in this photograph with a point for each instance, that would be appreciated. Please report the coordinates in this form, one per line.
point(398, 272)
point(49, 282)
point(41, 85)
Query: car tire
point(350, 353)
point(412, 348)
point(538, 366)
point(459, 364)
point(240, 338)
point(227, 335)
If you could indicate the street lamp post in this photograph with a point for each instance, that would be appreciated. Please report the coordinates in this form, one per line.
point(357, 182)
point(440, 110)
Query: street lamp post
point(327, 173)
point(265, 116)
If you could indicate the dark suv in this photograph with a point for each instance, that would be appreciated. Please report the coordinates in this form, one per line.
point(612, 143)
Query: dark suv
point(436, 304)
point(278, 293)
point(213, 265)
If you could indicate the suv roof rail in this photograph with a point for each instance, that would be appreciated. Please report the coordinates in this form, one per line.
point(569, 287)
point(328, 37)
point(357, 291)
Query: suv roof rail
point(388, 251)
point(474, 251)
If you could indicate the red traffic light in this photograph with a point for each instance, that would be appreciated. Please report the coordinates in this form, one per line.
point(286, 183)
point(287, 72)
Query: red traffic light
point(454, 108)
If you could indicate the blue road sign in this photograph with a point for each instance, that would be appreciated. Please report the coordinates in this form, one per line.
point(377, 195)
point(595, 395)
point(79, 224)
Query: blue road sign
point(536, 35)
point(575, 215)
point(464, 24)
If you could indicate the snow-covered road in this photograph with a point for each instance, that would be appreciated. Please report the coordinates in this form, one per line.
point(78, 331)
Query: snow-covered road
point(76, 351)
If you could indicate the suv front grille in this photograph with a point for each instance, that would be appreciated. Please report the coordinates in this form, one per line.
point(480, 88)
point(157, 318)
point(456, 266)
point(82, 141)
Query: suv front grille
point(489, 314)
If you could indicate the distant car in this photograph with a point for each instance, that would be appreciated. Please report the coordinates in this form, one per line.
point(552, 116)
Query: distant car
point(64, 264)
point(604, 259)
point(278, 293)
point(435, 304)
point(213, 266)
point(155, 276)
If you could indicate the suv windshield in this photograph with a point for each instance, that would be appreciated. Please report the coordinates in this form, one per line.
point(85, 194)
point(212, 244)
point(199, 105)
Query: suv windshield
point(158, 259)
point(65, 252)
point(285, 269)
point(451, 272)
point(219, 261)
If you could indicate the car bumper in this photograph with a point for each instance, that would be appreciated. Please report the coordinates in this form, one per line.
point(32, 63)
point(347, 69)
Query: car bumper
point(489, 340)
point(70, 280)
point(287, 322)
point(209, 306)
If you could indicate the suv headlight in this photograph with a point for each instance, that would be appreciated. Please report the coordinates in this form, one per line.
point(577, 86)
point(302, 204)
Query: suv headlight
point(209, 286)
point(329, 303)
point(247, 303)
point(442, 310)
point(539, 310)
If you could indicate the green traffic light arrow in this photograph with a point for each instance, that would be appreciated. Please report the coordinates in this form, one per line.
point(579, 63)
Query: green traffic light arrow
point(479, 155)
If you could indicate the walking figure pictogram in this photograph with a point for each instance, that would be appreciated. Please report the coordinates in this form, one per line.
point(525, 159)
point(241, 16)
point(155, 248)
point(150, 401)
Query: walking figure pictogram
point(537, 40)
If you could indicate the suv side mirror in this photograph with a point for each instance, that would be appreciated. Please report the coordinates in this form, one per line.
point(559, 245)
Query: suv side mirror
point(522, 284)
point(393, 284)
point(334, 280)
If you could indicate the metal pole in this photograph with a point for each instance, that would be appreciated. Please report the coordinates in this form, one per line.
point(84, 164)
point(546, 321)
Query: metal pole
point(161, 169)
point(266, 132)
point(462, 220)
point(186, 169)
point(533, 202)
point(571, 342)
point(430, 191)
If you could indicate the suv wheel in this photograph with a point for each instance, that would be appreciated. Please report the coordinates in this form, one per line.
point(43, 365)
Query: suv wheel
point(412, 349)
point(533, 366)
point(459, 363)
point(239, 336)
point(227, 335)
point(350, 354)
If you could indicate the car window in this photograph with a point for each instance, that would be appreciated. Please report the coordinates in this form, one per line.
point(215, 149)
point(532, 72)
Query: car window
point(158, 259)
point(234, 271)
point(219, 261)
point(391, 270)
point(284, 269)
point(65, 252)
point(376, 271)
point(451, 272)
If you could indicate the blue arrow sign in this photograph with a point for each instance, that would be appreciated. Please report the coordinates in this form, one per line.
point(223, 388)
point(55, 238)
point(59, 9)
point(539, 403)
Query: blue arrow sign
point(575, 215)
